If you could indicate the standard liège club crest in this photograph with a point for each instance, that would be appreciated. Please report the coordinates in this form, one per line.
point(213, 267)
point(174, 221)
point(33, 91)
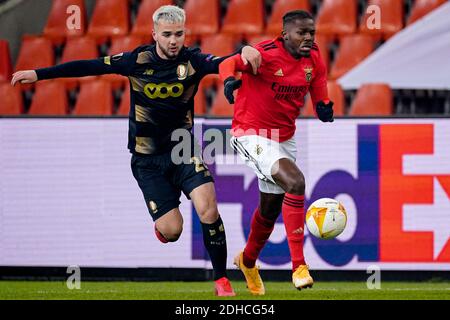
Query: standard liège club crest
point(308, 73)
point(182, 71)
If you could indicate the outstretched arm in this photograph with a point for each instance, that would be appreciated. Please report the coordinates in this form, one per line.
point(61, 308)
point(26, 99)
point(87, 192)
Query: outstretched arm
point(79, 68)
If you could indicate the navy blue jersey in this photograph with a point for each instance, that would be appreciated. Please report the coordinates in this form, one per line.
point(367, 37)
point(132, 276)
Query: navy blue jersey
point(162, 91)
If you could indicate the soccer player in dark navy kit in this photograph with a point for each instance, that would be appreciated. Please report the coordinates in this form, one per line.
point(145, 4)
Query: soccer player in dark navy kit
point(164, 79)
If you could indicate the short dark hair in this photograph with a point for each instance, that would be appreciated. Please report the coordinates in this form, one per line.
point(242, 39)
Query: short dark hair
point(291, 16)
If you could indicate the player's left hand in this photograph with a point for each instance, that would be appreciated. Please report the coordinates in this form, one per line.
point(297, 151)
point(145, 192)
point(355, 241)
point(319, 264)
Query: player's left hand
point(231, 84)
point(252, 56)
point(325, 111)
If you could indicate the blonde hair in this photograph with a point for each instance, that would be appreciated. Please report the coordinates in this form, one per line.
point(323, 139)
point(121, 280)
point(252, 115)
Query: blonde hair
point(172, 14)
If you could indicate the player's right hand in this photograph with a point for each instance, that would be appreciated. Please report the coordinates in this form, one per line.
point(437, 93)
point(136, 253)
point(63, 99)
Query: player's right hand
point(324, 111)
point(231, 84)
point(26, 76)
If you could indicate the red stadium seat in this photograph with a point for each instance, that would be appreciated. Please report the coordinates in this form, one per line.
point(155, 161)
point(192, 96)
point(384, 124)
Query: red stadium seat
point(280, 8)
point(95, 99)
point(374, 99)
point(391, 18)
point(221, 107)
point(336, 94)
point(124, 44)
point(5, 62)
point(56, 28)
point(35, 53)
point(49, 99)
point(118, 45)
point(124, 107)
point(200, 100)
point(323, 43)
point(244, 17)
point(422, 8)
point(353, 49)
point(143, 25)
point(78, 49)
point(202, 17)
point(254, 40)
point(12, 101)
point(110, 18)
point(337, 17)
point(219, 45)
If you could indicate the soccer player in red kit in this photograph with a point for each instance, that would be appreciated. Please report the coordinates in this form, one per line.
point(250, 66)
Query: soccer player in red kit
point(263, 127)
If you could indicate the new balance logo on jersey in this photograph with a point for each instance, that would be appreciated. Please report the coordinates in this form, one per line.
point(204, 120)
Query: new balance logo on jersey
point(279, 73)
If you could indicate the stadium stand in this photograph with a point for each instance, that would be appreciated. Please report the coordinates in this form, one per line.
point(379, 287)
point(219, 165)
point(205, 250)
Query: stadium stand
point(220, 106)
point(353, 49)
point(422, 8)
point(12, 102)
point(220, 45)
point(124, 106)
point(200, 100)
point(78, 49)
point(218, 27)
point(35, 52)
point(143, 25)
point(323, 43)
point(280, 7)
point(336, 94)
point(49, 99)
point(5, 62)
point(391, 18)
point(254, 40)
point(95, 99)
point(240, 25)
point(337, 17)
point(204, 17)
point(56, 28)
point(110, 18)
point(363, 103)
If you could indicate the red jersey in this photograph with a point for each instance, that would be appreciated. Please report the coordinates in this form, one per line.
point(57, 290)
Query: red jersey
point(272, 99)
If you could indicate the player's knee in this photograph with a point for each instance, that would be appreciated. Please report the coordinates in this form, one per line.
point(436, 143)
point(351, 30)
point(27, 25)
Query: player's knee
point(208, 214)
point(171, 234)
point(296, 185)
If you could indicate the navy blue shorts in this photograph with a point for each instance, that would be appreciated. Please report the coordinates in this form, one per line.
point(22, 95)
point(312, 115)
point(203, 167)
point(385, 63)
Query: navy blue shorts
point(162, 181)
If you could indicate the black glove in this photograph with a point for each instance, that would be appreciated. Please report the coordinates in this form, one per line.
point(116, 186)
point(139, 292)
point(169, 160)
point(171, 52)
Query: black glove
point(231, 84)
point(325, 111)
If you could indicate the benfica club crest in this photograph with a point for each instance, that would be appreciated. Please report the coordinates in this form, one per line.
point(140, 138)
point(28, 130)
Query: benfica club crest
point(308, 73)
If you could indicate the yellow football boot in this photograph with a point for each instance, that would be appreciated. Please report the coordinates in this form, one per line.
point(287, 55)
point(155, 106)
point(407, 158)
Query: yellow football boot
point(252, 277)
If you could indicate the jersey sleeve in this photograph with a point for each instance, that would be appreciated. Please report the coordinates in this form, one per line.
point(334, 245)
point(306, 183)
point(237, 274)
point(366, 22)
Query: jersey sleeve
point(120, 64)
point(208, 63)
point(318, 87)
point(231, 65)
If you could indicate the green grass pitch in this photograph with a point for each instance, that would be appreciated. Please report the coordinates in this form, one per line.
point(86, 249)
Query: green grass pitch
point(48, 290)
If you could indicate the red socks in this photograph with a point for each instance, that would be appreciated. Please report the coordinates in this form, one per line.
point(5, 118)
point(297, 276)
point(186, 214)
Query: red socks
point(260, 231)
point(294, 221)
